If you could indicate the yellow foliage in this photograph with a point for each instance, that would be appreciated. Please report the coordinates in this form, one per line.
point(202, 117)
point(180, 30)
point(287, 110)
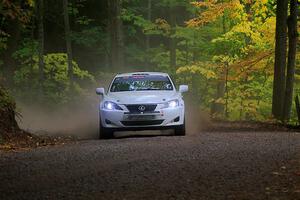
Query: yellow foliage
point(214, 11)
point(197, 69)
point(30, 3)
point(244, 67)
point(163, 25)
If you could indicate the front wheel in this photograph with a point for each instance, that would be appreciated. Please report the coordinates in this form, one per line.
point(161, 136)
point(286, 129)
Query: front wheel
point(180, 130)
point(105, 133)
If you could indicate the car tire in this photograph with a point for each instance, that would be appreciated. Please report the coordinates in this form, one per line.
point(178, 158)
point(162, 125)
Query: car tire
point(180, 130)
point(105, 133)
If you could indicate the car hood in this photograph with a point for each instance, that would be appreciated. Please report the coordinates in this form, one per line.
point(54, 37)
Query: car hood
point(138, 97)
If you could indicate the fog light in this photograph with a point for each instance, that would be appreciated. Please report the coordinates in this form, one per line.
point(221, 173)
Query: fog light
point(177, 119)
point(107, 121)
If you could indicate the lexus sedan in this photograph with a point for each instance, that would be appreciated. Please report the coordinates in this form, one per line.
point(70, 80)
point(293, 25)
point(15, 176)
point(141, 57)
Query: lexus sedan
point(141, 101)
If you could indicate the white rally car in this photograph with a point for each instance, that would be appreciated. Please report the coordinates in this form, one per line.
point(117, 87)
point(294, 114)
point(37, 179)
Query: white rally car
point(141, 101)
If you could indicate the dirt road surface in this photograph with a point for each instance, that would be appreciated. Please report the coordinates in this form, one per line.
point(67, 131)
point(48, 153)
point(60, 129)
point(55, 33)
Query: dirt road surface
point(231, 165)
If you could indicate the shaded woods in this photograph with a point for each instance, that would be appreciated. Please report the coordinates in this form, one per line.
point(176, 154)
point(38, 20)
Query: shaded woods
point(239, 57)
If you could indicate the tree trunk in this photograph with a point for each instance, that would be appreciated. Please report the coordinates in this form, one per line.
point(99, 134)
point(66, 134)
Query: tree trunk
point(9, 63)
point(292, 34)
point(113, 34)
point(68, 40)
point(297, 103)
point(40, 8)
point(8, 123)
point(187, 52)
point(116, 37)
point(172, 40)
point(149, 17)
point(218, 108)
point(280, 59)
point(121, 57)
point(194, 51)
point(226, 90)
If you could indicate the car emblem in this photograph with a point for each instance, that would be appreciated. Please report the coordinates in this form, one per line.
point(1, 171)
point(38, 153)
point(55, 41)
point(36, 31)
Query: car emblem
point(142, 108)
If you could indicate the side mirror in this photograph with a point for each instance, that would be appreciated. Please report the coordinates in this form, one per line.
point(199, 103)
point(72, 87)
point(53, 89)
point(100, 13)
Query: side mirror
point(183, 88)
point(100, 91)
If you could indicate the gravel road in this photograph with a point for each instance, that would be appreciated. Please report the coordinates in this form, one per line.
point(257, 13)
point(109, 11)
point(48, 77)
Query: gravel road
point(235, 165)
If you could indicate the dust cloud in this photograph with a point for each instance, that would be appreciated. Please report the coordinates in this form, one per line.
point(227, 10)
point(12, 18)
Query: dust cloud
point(79, 120)
point(82, 119)
point(197, 120)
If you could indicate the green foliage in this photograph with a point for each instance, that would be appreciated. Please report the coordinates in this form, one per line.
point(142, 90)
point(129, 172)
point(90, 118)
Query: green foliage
point(238, 53)
point(226, 44)
point(56, 85)
point(199, 77)
point(89, 37)
point(3, 43)
point(173, 3)
point(6, 101)
point(3, 40)
point(160, 57)
point(222, 42)
point(26, 51)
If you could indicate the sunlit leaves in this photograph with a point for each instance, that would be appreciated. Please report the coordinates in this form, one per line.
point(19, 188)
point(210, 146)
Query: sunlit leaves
point(161, 27)
point(197, 69)
point(213, 10)
point(242, 54)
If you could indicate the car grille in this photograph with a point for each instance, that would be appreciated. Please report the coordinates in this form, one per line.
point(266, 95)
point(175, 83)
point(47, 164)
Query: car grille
point(146, 108)
point(142, 123)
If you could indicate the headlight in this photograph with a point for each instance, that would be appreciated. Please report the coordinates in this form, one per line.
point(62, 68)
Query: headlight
point(111, 106)
point(171, 104)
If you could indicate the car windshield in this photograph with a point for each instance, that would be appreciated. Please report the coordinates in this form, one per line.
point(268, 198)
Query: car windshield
point(141, 83)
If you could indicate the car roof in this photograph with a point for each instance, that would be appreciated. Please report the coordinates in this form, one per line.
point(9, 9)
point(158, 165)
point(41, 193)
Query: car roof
point(142, 73)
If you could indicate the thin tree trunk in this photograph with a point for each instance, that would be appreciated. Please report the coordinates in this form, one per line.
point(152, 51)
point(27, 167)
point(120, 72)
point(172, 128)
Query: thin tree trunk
point(9, 63)
point(194, 52)
point(40, 8)
point(113, 34)
point(226, 90)
point(149, 18)
point(121, 58)
point(187, 53)
point(68, 41)
point(241, 108)
point(218, 108)
point(280, 59)
point(116, 37)
point(292, 34)
point(33, 39)
point(172, 39)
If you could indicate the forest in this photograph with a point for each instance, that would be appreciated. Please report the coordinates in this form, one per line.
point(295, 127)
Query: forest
point(226, 127)
point(239, 57)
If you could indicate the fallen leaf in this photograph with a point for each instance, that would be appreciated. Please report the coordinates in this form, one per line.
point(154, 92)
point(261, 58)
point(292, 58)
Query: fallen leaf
point(283, 167)
point(276, 173)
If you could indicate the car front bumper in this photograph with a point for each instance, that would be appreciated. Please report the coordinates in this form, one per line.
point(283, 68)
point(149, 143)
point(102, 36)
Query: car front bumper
point(158, 119)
